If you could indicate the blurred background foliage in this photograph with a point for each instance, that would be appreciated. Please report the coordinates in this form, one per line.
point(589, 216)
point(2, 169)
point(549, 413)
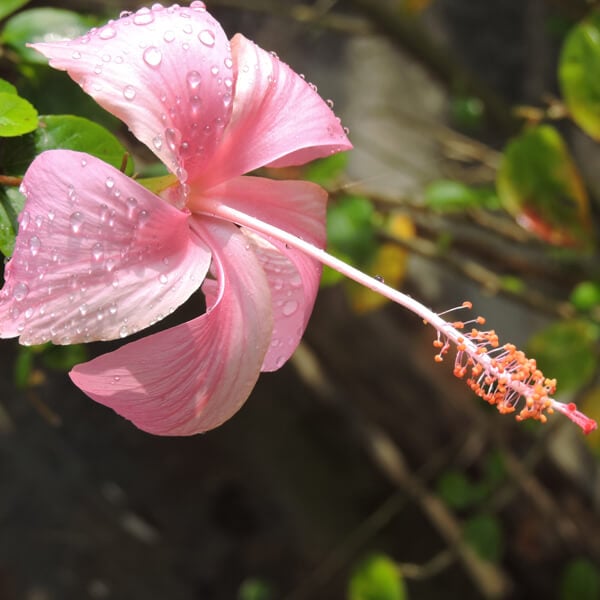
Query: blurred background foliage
point(476, 171)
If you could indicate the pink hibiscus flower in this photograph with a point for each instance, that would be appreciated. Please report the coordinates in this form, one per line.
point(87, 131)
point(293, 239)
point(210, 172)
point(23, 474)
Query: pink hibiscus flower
point(99, 257)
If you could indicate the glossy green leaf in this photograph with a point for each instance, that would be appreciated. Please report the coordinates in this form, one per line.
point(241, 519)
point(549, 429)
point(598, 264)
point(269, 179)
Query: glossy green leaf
point(484, 534)
point(11, 204)
point(578, 74)
point(377, 578)
point(540, 186)
point(17, 116)
point(580, 581)
point(7, 7)
point(40, 25)
point(566, 350)
point(7, 88)
point(67, 132)
point(351, 228)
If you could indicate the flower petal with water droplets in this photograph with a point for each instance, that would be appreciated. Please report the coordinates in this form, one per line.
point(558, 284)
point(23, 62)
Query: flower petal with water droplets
point(299, 208)
point(97, 256)
point(194, 376)
point(152, 69)
point(278, 118)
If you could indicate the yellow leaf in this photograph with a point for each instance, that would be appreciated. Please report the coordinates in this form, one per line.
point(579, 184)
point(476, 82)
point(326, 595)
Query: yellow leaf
point(389, 263)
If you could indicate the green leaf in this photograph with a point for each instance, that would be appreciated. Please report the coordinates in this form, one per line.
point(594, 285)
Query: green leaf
point(11, 204)
point(540, 186)
point(42, 25)
point(580, 580)
point(467, 112)
point(10, 6)
point(17, 116)
point(64, 358)
point(326, 171)
point(377, 578)
point(566, 350)
point(255, 589)
point(453, 196)
point(484, 534)
point(67, 132)
point(7, 88)
point(586, 296)
point(77, 133)
point(351, 229)
point(578, 74)
point(457, 491)
point(23, 366)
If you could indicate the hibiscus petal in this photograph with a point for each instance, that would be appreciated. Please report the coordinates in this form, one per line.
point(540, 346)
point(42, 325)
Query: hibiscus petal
point(97, 255)
point(195, 376)
point(278, 118)
point(166, 72)
point(299, 208)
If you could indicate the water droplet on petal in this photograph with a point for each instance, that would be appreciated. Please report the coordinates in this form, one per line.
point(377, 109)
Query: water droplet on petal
point(143, 16)
point(228, 63)
point(83, 309)
point(289, 308)
point(143, 217)
point(163, 279)
point(193, 79)
point(188, 28)
point(214, 70)
point(169, 35)
point(198, 5)
point(157, 142)
point(226, 100)
point(129, 92)
point(24, 220)
point(108, 32)
point(123, 332)
point(97, 251)
point(34, 245)
point(110, 183)
point(76, 55)
point(207, 37)
point(171, 138)
point(76, 220)
point(152, 56)
point(20, 291)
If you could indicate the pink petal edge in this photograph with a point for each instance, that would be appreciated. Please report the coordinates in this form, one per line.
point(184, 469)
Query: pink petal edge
point(193, 377)
point(278, 118)
point(166, 72)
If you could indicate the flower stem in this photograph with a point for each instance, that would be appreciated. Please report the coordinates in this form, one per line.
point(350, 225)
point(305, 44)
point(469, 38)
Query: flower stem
point(501, 375)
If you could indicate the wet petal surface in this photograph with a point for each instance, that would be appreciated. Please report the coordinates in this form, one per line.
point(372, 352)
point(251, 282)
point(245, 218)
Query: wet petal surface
point(195, 376)
point(97, 255)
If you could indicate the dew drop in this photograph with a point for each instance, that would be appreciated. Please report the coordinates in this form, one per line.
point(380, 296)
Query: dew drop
point(163, 279)
point(83, 309)
point(228, 63)
point(289, 308)
point(112, 309)
point(207, 37)
point(228, 82)
point(110, 265)
point(34, 245)
point(143, 217)
point(76, 55)
point(195, 103)
point(169, 36)
point(110, 183)
point(171, 138)
point(51, 215)
point(20, 291)
point(123, 331)
point(97, 251)
point(198, 5)
point(214, 70)
point(107, 33)
point(24, 220)
point(157, 142)
point(329, 103)
point(152, 56)
point(226, 100)
point(129, 92)
point(143, 16)
point(187, 28)
point(131, 205)
point(76, 220)
point(193, 79)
